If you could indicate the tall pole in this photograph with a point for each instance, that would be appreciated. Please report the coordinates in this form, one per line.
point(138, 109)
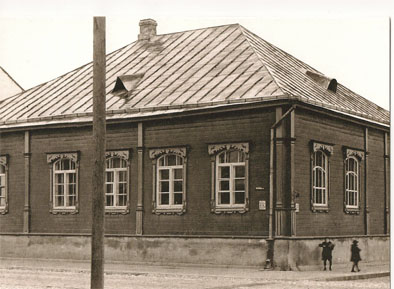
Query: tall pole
point(97, 263)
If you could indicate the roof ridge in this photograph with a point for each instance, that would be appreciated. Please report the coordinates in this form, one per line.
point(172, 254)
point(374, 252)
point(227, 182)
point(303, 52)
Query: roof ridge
point(258, 56)
point(196, 29)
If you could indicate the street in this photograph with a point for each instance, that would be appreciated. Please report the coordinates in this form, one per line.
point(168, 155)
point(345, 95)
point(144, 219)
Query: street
point(56, 278)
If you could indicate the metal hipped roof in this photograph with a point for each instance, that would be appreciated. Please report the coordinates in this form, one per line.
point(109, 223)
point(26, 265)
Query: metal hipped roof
point(197, 68)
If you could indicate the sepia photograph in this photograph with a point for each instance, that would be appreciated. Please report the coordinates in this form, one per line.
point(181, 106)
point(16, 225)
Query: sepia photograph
point(205, 144)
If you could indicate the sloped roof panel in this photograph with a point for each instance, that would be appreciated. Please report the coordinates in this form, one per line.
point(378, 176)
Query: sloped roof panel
point(180, 71)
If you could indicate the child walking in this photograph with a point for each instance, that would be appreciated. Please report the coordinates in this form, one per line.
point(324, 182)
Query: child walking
point(355, 257)
point(327, 252)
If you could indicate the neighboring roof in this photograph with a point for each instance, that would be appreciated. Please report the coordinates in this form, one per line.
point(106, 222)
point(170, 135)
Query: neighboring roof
point(8, 86)
point(183, 71)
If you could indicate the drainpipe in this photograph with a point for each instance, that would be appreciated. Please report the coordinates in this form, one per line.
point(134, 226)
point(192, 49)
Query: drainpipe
point(271, 192)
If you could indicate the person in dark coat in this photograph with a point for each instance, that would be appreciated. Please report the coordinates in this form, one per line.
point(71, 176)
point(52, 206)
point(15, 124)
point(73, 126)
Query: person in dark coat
point(355, 257)
point(327, 252)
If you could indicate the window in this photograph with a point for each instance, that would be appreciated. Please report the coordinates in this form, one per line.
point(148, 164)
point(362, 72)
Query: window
point(117, 182)
point(352, 180)
point(169, 184)
point(320, 176)
point(3, 184)
point(229, 169)
point(64, 182)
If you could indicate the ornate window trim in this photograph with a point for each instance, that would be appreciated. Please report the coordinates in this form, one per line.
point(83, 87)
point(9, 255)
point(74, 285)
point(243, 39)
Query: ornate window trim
point(214, 150)
point(358, 156)
point(4, 162)
point(123, 154)
point(327, 150)
point(52, 158)
point(155, 154)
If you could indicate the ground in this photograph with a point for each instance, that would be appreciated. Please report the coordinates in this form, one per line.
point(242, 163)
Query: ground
point(56, 278)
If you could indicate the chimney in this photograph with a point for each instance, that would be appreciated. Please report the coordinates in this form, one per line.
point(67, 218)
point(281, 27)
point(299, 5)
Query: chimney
point(147, 29)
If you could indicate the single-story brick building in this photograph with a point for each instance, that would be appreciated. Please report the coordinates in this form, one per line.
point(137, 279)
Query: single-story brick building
point(221, 149)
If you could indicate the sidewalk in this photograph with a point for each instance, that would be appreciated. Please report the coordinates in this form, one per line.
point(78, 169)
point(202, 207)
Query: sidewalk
point(340, 272)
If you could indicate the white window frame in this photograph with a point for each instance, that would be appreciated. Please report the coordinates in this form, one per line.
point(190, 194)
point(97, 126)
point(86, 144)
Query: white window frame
point(4, 176)
point(125, 156)
point(52, 160)
point(215, 150)
point(357, 156)
point(326, 150)
point(156, 155)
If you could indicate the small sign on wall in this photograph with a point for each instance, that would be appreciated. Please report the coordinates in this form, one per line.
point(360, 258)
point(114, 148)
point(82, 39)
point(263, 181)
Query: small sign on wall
point(297, 207)
point(262, 206)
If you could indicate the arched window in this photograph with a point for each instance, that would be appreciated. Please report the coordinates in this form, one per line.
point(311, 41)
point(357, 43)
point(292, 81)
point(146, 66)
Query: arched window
point(3, 185)
point(169, 181)
point(117, 182)
point(63, 169)
point(320, 179)
point(353, 160)
point(351, 182)
point(64, 184)
point(229, 163)
point(320, 175)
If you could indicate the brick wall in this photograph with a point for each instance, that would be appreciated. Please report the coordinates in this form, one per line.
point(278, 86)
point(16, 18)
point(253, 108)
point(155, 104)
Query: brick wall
point(311, 126)
point(13, 145)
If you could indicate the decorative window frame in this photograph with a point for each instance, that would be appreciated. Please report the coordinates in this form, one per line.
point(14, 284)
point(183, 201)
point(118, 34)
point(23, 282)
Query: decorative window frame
point(154, 155)
point(328, 150)
point(124, 154)
point(52, 158)
point(4, 162)
point(359, 156)
point(214, 150)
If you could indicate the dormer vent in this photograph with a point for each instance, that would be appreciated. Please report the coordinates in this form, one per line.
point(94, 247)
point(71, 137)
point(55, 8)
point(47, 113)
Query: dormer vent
point(126, 83)
point(324, 81)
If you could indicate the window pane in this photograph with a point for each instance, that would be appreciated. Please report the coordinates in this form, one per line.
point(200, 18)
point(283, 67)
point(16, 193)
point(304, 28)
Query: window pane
point(109, 200)
point(171, 160)
point(179, 160)
point(178, 186)
point(71, 189)
point(59, 178)
point(224, 172)
point(178, 199)
point(162, 161)
point(164, 199)
point(240, 171)
point(222, 158)
point(59, 189)
point(121, 200)
point(59, 201)
point(233, 157)
point(65, 164)
point(239, 185)
point(224, 198)
point(2, 180)
point(224, 186)
point(2, 201)
point(71, 178)
point(178, 174)
point(71, 201)
point(239, 197)
point(109, 189)
point(2, 192)
point(2, 169)
point(164, 186)
point(164, 174)
point(109, 177)
point(123, 176)
point(122, 188)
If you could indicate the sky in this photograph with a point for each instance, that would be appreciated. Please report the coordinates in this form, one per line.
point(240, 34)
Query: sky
point(41, 40)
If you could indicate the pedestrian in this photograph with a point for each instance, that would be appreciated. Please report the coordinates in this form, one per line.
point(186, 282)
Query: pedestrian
point(355, 257)
point(327, 252)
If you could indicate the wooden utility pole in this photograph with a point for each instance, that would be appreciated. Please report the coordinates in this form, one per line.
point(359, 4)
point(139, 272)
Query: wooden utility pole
point(97, 265)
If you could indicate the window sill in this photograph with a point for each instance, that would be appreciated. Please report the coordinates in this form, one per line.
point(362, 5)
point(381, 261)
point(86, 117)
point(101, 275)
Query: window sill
point(117, 211)
point(229, 210)
point(352, 210)
point(169, 211)
point(319, 209)
point(64, 211)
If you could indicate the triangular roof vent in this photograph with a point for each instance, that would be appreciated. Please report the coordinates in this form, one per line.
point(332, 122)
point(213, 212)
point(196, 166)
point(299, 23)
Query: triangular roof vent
point(126, 83)
point(326, 82)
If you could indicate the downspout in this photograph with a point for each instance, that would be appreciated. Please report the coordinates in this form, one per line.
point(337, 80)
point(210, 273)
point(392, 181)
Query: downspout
point(271, 192)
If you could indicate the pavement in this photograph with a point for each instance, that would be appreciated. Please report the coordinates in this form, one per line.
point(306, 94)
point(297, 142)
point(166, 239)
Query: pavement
point(340, 272)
